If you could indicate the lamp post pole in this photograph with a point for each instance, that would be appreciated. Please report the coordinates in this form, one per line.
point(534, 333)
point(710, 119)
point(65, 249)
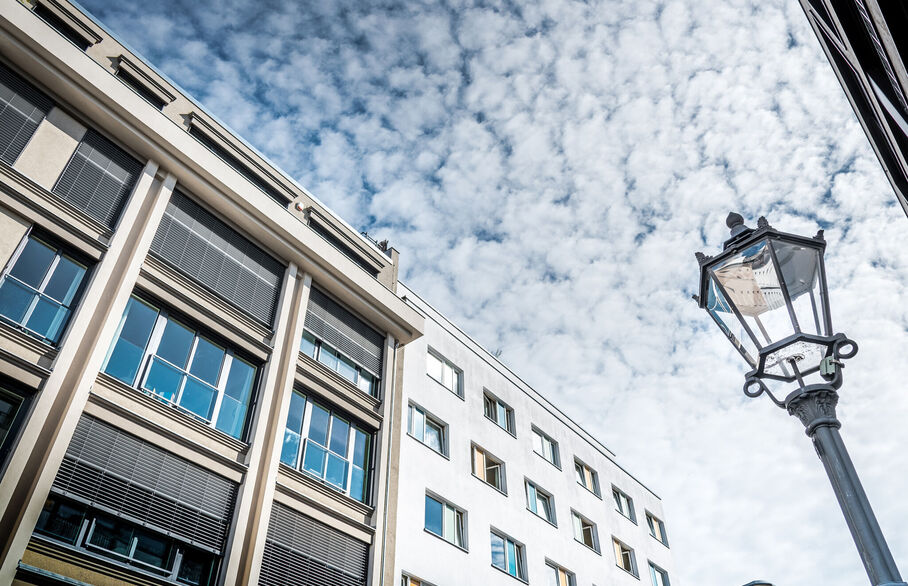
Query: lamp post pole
point(767, 292)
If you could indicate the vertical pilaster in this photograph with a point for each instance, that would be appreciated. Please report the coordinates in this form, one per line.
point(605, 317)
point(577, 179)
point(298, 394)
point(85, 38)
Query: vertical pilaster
point(247, 545)
point(59, 404)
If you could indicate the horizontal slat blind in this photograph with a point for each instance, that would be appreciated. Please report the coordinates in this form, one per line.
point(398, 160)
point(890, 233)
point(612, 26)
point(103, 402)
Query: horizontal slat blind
point(22, 107)
point(300, 551)
point(217, 257)
point(119, 473)
point(99, 178)
point(329, 321)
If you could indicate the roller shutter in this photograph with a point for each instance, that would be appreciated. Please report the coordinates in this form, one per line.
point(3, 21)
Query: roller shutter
point(22, 107)
point(331, 322)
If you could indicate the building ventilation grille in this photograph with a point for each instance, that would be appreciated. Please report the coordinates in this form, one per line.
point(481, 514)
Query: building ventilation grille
point(22, 107)
point(300, 551)
point(332, 323)
point(99, 178)
point(123, 475)
point(218, 258)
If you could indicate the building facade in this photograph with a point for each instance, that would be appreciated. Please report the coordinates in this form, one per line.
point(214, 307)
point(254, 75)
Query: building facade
point(866, 42)
point(196, 356)
point(495, 483)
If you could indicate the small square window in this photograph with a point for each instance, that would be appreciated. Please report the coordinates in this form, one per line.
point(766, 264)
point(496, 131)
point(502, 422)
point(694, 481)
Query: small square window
point(445, 373)
point(489, 469)
point(540, 502)
point(659, 576)
point(508, 555)
point(624, 504)
point(585, 531)
point(624, 557)
point(498, 412)
point(446, 521)
point(427, 429)
point(546, 447)
point(656, 528)
point(586, 477)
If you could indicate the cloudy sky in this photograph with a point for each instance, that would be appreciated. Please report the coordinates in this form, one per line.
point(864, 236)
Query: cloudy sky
point(547, 171)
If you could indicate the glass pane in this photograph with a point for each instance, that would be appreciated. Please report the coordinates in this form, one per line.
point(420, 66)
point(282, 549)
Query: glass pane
point(296, 412)
point(290, 448)
point(346, 368)
point(163, 379)
point(112, 535)
point(336, 471)
point(340, 435)
point(47, 319)
point(33, 262)
point(449, 524)
point(152, 550)
point(458, 537)
point(417, 423)
point(366, 382)
point(129, 348)
point(307, 345)
point(551, 576)
point(512, 558)
point(195, 568)
point(360, 448)
point(15, 300)
point(434, 516)
point(198, 398)
point(176, 342)
point(237, 393)
point(503, 417)
point(433, 367)
point(318, 425)
point(207, 360)
point(231, 417)
point(433, 437)
point(9, 408)
point(800, 267)
point(498, 557)
point(61, 520)
point(531, 497)
point(65, 281)
point(314, 459)
point(542, 506)
point(358, 484)
point(488, 406)
point(578, 473)
point(327, 356)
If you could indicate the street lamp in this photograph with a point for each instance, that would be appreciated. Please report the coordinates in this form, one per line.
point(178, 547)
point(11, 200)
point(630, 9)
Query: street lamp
point(767, 292)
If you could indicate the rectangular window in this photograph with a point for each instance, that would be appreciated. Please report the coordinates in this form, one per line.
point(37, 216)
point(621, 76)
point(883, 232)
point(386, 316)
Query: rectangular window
point(540, 502)
point(328, 446)
point(13, 408)
point(446, 521)
point(624, 557)
point(659, 576)
point(624, 504)
point(427, 429)
point(489, 469)
point(445, 373)
point(656, 528)
point(98, 178)
point(585, 531)
point(558, 576)
point(176, 363)
point(498, 412)
point(508, 555)
point(586, 477)
point(40, 287)
point(319, 350)
point(22, 108)
point(406, 580)
point(546, 447)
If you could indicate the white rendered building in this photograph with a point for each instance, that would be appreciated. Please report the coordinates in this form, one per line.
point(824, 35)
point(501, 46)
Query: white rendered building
point(497, 485)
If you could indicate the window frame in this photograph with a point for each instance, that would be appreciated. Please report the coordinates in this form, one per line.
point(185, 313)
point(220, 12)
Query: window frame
point(407, 579)
point(456, 372)
point(594, 531)
point(317, 344)
point(527, 484)
point(617, 495)
point(571, 577)
point(428, 417)
point(502, 476)
point(458, 513)
point(619, 555)
point(650, 518)
point(556, 455)
point(656, 569)
point(594, 477)
point(520, 559)
point(498, 404)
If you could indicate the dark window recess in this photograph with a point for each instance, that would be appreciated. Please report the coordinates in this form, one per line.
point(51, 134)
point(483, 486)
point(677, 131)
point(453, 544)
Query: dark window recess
point(140, 88)
point(345, 250)
point(217, 257)
point(240, 167)
point(300, 551)
point(352, 336)
point(896, 15)
point(14, 405)
point(62, 27)
point(22, 108)
point(98, 178)
point(108, 469)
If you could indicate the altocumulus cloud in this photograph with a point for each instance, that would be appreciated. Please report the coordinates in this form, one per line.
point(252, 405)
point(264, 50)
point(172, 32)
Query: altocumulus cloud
point(547, 170)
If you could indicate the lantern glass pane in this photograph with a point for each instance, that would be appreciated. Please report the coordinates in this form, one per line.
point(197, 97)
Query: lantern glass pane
point(800, 267)
point(806, 354)
point(719, 308)
point(751, 285)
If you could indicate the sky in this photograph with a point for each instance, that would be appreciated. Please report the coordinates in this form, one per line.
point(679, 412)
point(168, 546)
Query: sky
point(547, 171)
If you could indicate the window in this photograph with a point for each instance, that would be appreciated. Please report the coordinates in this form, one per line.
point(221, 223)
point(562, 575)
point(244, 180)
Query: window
point(176, 363)
point(546, 447)
point(427, 430)
point(40, 287)
point(406, 580)
point(489, 469)
point(446, 521)
point(328, 446)
point(586, 477)
point(98, 178)
point(445, 373)
point(141, 88)
point(508, 555)
point(13, 407)
point(75, 524)
point(585, 531)
point(558, 576)
point(22, 108)
point(498, 412)
point(624, 504)
point(335, 360)
point(540, 502)
point(83, 39)
point(624, 557)
point(659, 576)
point(656, 528)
